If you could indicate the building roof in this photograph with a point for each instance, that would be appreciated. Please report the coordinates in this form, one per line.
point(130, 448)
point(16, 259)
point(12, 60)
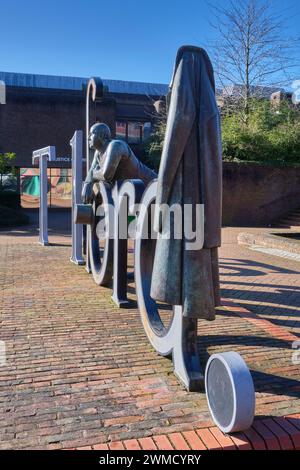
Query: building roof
point(235, 91)
point(29, 80)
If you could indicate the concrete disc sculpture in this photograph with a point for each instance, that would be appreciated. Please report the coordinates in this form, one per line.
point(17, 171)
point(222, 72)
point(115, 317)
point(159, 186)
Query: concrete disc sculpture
point(229, 392)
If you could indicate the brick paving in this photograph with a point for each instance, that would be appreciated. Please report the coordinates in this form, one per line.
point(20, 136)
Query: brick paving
point(80, 373)
point(265, 284)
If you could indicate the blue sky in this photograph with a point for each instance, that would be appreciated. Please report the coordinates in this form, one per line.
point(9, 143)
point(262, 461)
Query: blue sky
point(127, 40)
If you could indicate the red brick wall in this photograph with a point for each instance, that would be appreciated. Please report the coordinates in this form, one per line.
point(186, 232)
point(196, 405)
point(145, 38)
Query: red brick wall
point(257, 195)
point(33, 119)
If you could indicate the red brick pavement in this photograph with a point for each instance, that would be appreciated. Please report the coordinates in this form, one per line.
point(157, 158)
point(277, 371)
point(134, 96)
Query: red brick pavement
point(265, 284)
point(80, 373)
point(263, 435)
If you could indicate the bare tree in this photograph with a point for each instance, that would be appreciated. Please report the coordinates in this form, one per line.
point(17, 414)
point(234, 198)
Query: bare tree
point(252, 50)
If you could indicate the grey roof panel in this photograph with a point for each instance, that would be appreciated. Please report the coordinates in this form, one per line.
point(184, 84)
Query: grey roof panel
point(139, 88)
point(76, 83)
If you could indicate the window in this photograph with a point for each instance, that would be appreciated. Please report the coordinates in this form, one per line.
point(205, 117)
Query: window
point(146, 131)
point(133, 132)
point(121, 131)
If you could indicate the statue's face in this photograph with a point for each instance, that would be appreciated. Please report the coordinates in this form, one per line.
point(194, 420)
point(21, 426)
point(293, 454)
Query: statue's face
point(98, 136)
point(94, 139)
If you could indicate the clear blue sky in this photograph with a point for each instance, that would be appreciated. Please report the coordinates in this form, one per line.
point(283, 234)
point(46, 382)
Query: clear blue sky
point(128, 39)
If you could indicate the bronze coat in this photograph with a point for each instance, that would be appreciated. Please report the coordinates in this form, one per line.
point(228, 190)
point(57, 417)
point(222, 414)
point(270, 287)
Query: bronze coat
point(190, 173)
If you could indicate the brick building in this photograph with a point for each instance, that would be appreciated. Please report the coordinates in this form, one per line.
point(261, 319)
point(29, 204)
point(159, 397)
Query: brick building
point(44, 110)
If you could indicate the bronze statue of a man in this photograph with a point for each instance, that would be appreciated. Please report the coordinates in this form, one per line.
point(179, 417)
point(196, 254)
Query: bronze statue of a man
point(113, 161)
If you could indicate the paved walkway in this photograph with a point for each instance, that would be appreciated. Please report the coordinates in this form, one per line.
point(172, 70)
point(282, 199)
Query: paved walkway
point(265, 284)
point(80, 373)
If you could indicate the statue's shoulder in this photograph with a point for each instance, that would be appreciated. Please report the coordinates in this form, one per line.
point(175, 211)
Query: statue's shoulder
point(118, 146)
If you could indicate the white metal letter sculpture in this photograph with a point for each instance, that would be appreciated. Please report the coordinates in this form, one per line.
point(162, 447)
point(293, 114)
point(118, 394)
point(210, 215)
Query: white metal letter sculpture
point(76, 144)
point(42, 156)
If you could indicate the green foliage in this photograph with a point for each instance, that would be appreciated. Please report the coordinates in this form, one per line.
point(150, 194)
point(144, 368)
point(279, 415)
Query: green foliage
point(268, 134)
point(6, 160)
point(155, 144)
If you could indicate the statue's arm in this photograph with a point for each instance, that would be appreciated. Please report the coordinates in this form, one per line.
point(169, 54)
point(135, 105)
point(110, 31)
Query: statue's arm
point(87, 190)
point(89, 177)
point(114, 153)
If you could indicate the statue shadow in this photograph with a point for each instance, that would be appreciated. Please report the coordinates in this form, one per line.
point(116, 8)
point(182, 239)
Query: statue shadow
point(59, 225)
point(264, 382)
point(60, 244)
point(279, 301)
point(291, 419)
point(242, 267)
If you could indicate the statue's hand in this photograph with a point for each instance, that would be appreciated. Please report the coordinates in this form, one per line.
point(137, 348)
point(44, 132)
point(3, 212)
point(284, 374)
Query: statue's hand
point(87, 193)
point(97, 175)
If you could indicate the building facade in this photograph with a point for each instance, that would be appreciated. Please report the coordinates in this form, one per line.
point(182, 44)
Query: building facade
point(43, 110)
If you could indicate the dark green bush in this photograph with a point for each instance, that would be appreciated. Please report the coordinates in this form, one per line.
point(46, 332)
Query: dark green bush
point(267, 135)
point(10, 217)
point(154, 146)
point(9, 198)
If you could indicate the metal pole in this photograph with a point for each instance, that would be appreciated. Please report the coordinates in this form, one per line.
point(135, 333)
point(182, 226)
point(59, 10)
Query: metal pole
point(41, 156)
point(76, 144)
point(96, 86)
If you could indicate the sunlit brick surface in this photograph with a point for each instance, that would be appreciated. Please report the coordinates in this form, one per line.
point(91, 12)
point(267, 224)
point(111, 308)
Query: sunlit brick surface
point(81, 373)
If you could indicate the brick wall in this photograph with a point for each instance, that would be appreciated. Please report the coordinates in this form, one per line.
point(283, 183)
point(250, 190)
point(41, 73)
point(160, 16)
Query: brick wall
point(35, 118)
point(257, 195)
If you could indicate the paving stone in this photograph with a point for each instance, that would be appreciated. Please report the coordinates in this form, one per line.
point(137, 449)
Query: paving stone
point(193, 440)
point(147, 443)
point(224, 440)
point(208, 439)
point(178, 441)
point(162, 443)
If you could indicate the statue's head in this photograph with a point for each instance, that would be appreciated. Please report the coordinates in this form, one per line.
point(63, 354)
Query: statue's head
point(99, 135)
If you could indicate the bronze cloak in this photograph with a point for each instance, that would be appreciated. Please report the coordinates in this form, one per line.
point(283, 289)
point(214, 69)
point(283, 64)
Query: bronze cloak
point(190, 173)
